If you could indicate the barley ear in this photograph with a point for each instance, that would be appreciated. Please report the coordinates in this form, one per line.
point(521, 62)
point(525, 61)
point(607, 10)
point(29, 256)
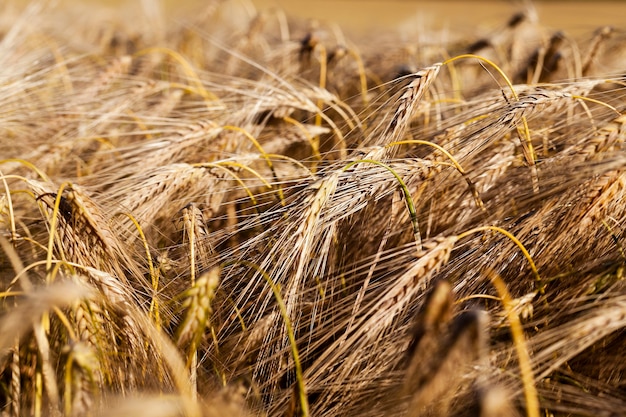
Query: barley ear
point(407, 103)
point(197, 302)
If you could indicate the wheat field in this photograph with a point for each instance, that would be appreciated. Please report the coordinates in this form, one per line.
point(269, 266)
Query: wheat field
point(239, 212)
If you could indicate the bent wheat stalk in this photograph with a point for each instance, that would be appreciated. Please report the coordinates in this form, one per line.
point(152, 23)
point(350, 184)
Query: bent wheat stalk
point(407, 197)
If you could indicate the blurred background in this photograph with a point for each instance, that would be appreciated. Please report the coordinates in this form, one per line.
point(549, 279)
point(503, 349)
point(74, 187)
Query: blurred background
point(358, 15)
point(575, 17)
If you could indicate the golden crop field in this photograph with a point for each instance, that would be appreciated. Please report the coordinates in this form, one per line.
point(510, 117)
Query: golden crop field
point(571, 15)
point(322, 208)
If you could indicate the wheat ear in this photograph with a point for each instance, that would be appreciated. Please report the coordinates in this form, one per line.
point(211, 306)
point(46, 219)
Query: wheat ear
point(407, 103)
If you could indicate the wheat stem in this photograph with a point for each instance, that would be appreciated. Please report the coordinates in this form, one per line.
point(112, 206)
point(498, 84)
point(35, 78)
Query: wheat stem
point(154, 274)
point(263, 154)
point(600, 102)
point(517, 332)
point(53, 225)
point(362, 76)
point(531, 158)
point(28, 165)
point(295, 162)
point(9, 203)
point(16, 264)
point(314, 142)
point(407, 196)
point(472, 187)
point(322, 84)
point(207, 95)
point(66, 322)
point(304, 402)
point(533, 267)
point(246, 168)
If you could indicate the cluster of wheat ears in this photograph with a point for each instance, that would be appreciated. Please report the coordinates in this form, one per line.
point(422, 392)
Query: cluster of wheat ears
point(238, 213)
